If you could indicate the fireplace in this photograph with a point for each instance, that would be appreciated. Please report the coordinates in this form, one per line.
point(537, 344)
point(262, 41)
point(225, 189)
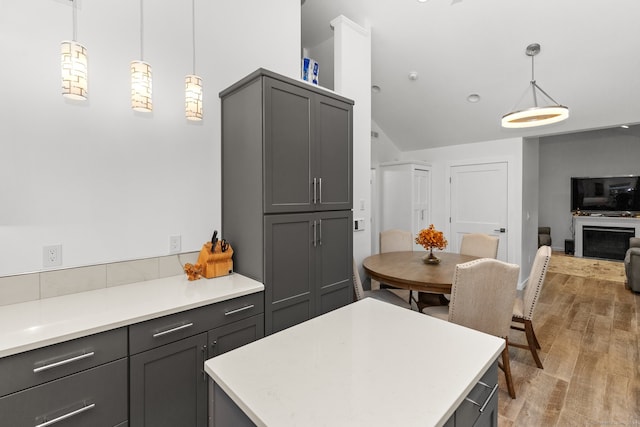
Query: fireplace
point(606, 242)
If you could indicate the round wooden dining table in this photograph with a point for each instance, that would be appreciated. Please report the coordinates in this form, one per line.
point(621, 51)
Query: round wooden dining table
point(407, 270)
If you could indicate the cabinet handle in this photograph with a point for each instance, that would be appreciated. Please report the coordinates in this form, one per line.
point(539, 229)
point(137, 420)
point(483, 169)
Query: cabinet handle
point(238, 310)
point(486, 402)
point(168, 331)
point(314, 191)
point(320, 191)
point(314, 233)
point(63, 362)
point(320, 240)
point(68, 415)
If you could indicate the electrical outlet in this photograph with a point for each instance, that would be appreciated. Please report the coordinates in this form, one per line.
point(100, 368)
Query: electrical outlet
point(52, 256)
point(175, 244)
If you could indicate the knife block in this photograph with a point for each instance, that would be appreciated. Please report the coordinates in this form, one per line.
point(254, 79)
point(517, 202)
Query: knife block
point(217, 263)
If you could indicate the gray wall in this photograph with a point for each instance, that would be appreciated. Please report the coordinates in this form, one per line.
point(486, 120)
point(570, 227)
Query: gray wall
point(596, 153)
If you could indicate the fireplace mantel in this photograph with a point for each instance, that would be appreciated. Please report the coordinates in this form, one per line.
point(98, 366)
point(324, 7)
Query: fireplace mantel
point(579, 222)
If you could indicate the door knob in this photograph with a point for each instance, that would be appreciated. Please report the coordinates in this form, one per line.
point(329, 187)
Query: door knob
point(501, 230)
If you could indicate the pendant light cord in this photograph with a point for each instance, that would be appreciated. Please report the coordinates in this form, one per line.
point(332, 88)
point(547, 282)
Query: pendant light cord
point(193, 32)
point(75, 20)
point(141, 31)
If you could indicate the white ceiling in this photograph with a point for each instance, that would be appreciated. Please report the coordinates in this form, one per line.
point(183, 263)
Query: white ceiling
point(589, 61)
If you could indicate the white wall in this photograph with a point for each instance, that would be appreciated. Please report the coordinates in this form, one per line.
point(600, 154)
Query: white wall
point(107, 183)
point(352, 55)
point(597, 153)
point(441, 160)
point(530, 203)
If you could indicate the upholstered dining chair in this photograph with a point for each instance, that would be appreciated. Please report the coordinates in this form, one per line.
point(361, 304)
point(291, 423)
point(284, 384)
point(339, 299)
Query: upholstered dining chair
point(474, 244)
point(395, 240)
point(483, 293)
point(480, 245)
point(526, 300)
point(379, 294)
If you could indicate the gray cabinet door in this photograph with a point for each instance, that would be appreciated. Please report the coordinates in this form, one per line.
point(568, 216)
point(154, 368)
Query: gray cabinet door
point(168, 385)
point(334, 280)
point(288, 185)
point(289, 270)
point(333, 152)
point(236, 334)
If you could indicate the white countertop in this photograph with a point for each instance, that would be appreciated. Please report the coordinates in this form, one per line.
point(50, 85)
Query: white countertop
point(34, 324)
point(366, 364)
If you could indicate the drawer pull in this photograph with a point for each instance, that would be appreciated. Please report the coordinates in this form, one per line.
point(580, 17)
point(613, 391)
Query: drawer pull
point(168, 331)
point(238, 310)
point(486, 402)
point(63, 362)
point(65, 416)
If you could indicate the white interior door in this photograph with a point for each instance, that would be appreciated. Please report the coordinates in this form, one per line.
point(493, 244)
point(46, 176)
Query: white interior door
point(479, 203)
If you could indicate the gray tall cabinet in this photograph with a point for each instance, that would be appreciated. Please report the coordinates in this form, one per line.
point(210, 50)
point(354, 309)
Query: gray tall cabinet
point(287, 176)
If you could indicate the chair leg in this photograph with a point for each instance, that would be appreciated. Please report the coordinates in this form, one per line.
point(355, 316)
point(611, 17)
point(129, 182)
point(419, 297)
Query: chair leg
point(533, 342)
point(535, 338)
point(506, 367)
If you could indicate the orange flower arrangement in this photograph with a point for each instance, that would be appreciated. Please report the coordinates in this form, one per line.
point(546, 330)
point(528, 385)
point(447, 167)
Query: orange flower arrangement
point(430, 238)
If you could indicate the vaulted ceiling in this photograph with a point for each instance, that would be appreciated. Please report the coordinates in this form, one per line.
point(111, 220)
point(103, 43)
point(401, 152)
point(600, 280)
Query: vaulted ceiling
point(589, 61)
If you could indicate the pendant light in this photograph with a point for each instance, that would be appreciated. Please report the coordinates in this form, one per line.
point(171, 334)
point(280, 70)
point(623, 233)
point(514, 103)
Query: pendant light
point(536, 115)
point(141, 76)
point(73, 59)
point(192, 82)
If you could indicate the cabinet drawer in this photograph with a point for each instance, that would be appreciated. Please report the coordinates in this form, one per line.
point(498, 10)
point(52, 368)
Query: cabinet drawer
point(468, 412)
point(238, 308)
point(34, 367)
point(96, 397)
point(163, 330)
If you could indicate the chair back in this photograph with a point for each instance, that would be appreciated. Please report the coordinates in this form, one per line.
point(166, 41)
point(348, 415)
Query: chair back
point(482, 295)
point(395, 241)
point(634, 242)
point(357, 284)
point(532, 290)
point(480, 245)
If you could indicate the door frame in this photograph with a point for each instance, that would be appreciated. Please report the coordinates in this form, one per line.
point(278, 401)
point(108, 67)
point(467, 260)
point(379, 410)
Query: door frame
point(514, 201)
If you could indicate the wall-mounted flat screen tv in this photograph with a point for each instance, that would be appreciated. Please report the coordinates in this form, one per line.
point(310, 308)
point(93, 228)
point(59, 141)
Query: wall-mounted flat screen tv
point(612, 193)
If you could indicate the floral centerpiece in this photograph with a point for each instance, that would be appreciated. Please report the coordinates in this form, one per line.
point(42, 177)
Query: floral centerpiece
point(430, 238)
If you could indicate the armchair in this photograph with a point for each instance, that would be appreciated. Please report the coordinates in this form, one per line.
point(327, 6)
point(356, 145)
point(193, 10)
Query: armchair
point(544, 236)
point(632, 264)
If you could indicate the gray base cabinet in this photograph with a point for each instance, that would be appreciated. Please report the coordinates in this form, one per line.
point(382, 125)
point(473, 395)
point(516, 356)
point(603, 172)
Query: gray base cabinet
point(96, 397)
point(480, 407)
point(287, 193)
point(74, 383)
point(168, 387)
point(156, 379)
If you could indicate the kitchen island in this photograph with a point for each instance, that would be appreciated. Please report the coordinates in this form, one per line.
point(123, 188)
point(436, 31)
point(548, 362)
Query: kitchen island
point(366, 364)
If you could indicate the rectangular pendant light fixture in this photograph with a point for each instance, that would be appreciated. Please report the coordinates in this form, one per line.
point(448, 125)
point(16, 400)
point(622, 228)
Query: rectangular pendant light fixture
point(73, 65)
point(141, 78)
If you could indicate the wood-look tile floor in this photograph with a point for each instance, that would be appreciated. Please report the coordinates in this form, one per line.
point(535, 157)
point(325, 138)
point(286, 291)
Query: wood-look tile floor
point(588, 325)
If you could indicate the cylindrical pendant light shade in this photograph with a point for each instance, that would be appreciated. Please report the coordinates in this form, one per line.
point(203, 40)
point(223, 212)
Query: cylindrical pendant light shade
point(73, 57)
point(141, 86)
point(193, 97)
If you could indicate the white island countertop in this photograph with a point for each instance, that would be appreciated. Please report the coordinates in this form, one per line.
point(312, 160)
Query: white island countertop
point(35, 324)
point(366, 364)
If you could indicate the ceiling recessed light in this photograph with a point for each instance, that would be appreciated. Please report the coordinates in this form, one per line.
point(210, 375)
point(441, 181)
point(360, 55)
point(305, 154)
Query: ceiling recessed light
point(473, 98)
point(375, 89)
point(413, 75)
point(422, 1)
